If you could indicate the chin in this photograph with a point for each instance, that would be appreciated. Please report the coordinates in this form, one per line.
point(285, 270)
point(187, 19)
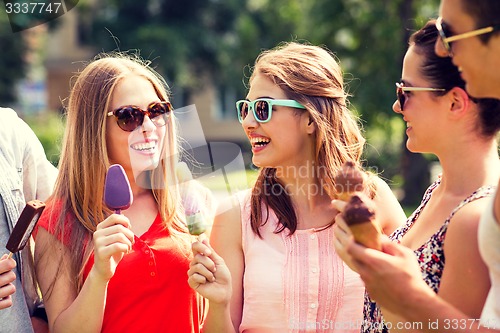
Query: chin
point(145, 164)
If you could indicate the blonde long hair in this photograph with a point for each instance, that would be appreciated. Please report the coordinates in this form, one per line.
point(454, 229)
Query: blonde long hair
point(84, 159)
point(312, 76)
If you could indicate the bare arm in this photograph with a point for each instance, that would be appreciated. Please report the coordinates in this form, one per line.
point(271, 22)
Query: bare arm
point(465, 282)
point(393, 279)
point(217, 271)
point(66, 308)
point(390, 215)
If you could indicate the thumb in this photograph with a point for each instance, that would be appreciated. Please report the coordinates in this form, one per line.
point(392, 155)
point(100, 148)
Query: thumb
point(394, 249)
point(339, 205)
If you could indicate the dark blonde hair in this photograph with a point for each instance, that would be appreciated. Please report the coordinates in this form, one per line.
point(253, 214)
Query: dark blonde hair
point(312, 76)
point(84, 159)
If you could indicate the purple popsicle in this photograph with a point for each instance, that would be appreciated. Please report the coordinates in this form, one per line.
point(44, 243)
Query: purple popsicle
point(117, 192)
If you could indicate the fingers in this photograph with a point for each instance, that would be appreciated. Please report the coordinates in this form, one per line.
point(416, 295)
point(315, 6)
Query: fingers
point(112, 229)
point(339, 205)
point(5, 302)
point(113, 237)
point(202, 268)
point(201, 246)
point(7, 276)
point(6, 264)
point(342, 225)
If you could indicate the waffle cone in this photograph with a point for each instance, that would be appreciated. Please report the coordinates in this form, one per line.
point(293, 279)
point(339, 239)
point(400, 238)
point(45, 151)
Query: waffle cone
point(344, 196)
point(367, 234)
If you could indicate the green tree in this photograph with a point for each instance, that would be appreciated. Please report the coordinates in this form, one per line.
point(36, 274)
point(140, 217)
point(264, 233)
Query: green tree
point(370, 38)
point(12, 62)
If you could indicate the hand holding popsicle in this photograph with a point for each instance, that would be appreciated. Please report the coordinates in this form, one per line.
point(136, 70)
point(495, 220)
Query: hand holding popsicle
point(113, 237)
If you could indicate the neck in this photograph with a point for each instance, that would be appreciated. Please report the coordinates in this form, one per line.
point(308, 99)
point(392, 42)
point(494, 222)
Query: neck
point(469, 167)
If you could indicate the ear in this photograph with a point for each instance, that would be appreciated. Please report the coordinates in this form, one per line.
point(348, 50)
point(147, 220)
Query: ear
point(459, 101)
point(311, 125)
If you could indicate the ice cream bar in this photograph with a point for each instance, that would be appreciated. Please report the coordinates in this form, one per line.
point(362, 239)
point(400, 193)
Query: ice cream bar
point(191, 201)
point(117, 192)
point(359, 214)
point(24, 226)
point(348, 180)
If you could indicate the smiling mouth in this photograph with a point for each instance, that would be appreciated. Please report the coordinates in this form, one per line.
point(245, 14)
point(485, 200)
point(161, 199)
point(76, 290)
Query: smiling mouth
point(259, 142)
point(144, 146)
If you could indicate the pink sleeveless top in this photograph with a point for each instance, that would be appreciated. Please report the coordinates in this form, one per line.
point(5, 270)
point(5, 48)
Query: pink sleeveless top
point(296, 283)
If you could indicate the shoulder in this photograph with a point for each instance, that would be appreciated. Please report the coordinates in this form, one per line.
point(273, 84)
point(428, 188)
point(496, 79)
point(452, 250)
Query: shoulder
point(389, 211)
point(228, 212)
point(227, 230)
point(17, 133)
point(466, 219)
point(11, 123)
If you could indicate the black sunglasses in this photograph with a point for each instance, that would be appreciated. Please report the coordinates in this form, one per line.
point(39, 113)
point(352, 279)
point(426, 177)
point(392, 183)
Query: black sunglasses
point(401, 89)
point(130, 117)
point(446, 39)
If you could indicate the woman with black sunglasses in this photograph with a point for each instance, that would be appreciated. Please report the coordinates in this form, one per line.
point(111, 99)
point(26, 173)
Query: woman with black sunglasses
point(442, 119)
point(271, 265)
point(105, 272)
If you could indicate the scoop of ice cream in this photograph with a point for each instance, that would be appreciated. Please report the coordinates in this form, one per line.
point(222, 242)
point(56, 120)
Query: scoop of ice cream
point(358, 210)
point(359, 214)
point(349, 179)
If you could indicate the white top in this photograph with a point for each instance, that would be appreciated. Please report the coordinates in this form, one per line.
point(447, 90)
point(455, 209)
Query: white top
point(489, 246)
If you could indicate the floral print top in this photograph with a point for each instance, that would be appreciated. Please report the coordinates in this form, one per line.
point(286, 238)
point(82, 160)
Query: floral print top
point(430, 255)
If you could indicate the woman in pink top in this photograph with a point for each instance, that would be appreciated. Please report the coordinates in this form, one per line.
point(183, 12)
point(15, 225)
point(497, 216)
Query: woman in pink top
point(273, 266)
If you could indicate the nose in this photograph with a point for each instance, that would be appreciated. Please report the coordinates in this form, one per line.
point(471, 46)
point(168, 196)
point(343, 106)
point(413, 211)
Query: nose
point(396, 107)
point(440, 50)
point(147, 125)
point(249, 122)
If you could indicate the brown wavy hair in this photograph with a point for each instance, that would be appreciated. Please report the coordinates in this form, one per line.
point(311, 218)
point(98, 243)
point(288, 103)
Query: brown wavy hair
point(312, 76)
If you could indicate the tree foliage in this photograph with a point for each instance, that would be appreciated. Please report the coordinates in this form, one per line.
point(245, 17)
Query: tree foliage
point(12, 61)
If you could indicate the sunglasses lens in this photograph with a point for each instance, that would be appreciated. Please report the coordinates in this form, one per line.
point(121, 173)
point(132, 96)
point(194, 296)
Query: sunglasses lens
point(262, 111)
point(443, 33)
point(401, 97)
point(159, 112)
point(129, 118)
point(242, 108)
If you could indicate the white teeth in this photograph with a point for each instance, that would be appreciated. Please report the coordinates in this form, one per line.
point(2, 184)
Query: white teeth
point(144, 146)
point(259, 141)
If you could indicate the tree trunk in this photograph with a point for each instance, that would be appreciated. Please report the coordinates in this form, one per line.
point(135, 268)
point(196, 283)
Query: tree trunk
point(414, 167)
